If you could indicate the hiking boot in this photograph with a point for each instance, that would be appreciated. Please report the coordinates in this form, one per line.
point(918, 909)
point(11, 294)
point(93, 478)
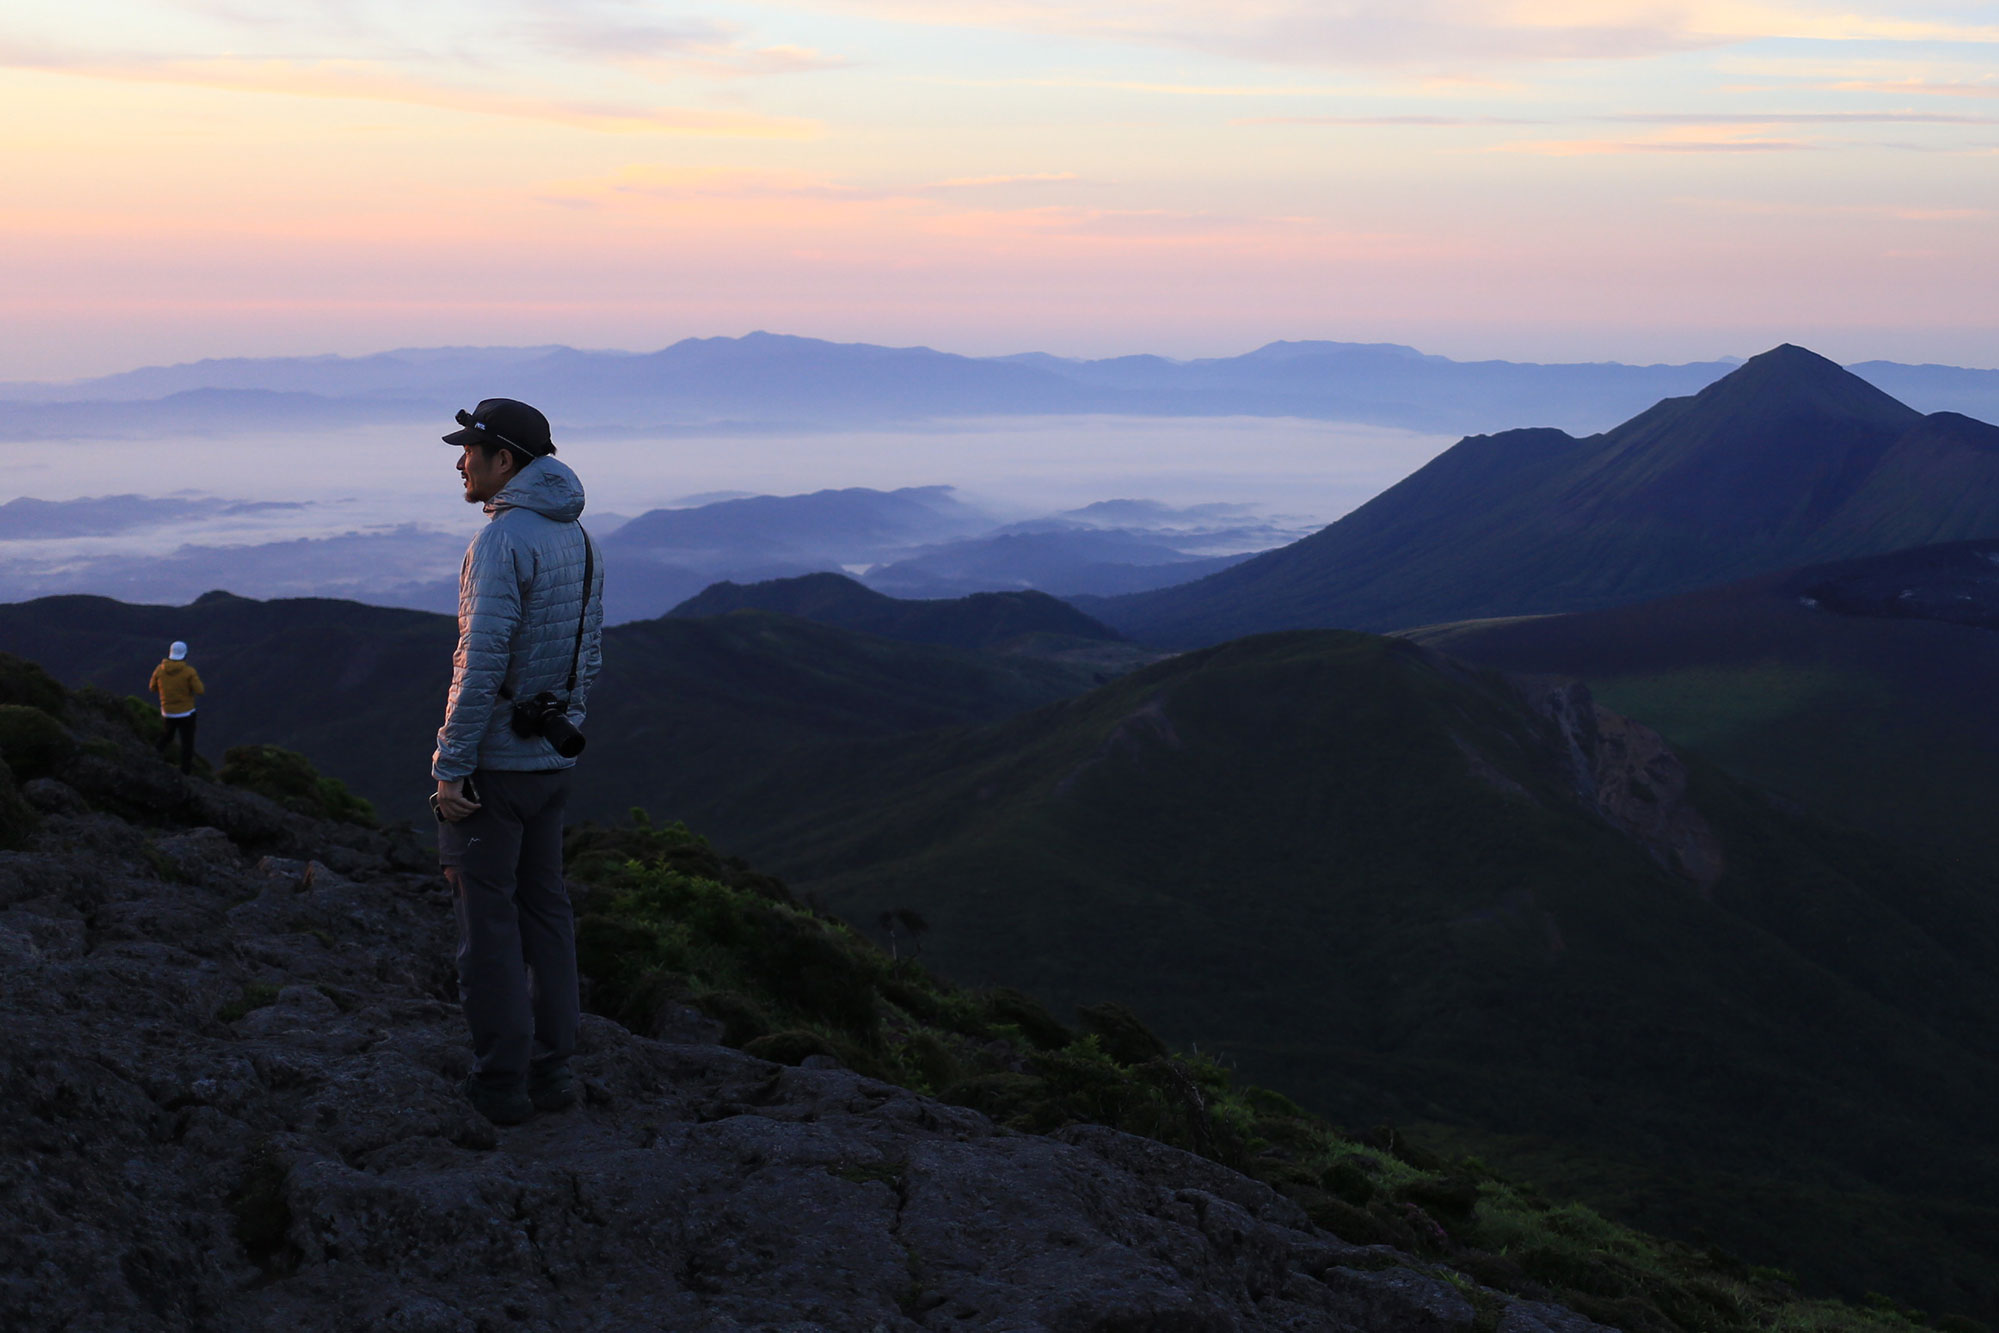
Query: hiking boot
point(552, 1087)
point(501, 1105)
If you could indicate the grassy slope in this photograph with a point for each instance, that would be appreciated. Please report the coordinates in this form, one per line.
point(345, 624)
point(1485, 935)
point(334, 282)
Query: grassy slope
point(1279, 848)
point(667, 924)
point(1886, 723)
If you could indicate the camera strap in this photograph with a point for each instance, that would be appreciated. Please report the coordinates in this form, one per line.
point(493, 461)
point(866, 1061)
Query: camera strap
point(583, 616)
point(506, 691)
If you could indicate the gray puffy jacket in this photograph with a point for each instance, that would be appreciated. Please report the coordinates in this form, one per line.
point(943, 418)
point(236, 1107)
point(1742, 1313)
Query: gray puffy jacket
point(519, 595)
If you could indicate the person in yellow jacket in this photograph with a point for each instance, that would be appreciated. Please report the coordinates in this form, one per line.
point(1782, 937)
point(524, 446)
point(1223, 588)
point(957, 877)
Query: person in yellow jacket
point(177, 684)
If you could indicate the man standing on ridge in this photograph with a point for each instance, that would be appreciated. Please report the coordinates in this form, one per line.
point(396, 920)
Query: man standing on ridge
point(177, 684)
point(530, 619)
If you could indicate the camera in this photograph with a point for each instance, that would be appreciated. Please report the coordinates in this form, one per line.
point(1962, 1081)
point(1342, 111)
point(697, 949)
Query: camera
point(548, 717)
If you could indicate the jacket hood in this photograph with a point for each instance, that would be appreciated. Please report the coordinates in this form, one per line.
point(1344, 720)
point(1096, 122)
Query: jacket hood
point(546, 487)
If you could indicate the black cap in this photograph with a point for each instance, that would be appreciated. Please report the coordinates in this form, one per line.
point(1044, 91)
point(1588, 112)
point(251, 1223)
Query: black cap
point(506, 422)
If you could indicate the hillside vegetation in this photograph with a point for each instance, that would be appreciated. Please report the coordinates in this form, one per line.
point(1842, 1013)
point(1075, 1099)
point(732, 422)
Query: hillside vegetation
point(1401, 890)
point(669, 926)
point(1861, 688)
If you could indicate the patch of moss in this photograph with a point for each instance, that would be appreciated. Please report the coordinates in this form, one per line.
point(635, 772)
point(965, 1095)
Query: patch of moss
point(743, 1020)
point(163, 865)
point(290, 779)
point(32, 741)
point(789, 1047)
point(25, 684)
point(889, 1172)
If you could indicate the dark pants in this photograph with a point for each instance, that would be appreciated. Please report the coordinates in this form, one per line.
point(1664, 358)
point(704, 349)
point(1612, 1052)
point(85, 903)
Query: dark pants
point(516, 941)
point(184, 728)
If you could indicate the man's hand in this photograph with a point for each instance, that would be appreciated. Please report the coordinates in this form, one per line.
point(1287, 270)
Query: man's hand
point(451, 802)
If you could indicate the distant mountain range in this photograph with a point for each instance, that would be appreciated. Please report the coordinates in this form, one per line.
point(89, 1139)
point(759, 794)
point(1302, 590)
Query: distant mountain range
point(1787, 460)
point(768, 380)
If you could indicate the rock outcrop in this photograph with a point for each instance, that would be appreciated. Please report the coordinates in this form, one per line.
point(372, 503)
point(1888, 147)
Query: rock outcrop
point(1627, 774)
point(229, 1103)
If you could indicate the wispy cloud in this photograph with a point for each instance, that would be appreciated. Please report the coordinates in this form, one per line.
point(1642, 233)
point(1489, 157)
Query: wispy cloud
point(1920, 87)
point(372, 82)
point(1434, 34)
point(1797, 118)
point(1888, 212)
point(1684, 118)
point(650, 182)
point(1389, 121)
point(1693, 139)
point(982, 182)
point(700, 47)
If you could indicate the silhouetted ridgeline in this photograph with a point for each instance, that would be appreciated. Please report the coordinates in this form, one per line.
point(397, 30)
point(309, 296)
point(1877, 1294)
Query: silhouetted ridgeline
point(765, 379)
point(1786, 461)
point(1025, 623)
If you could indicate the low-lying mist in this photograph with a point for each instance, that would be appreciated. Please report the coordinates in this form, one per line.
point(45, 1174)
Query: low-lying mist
point(374, 512)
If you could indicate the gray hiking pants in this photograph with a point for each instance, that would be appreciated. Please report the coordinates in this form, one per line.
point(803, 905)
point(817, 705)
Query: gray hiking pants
point(516, 939)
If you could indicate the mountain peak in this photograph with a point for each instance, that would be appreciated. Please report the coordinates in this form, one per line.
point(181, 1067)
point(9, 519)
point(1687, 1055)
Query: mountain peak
point(1789, 379)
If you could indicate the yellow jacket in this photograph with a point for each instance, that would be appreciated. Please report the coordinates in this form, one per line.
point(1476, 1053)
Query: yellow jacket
point(177, 683)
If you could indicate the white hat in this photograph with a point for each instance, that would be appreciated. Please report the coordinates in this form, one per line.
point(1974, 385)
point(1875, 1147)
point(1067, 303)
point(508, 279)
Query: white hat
point(178, 652)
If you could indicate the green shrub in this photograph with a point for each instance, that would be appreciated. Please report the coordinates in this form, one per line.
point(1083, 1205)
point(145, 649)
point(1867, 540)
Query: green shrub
point(743, 1020)
point(1124, 1035)
point(1004, 1097)
point(1346, 1180)
point(290, 779)
point(790, 1047)
point(933, 1061)
point(1006, 1006)
point(1450, 1199)
point(25, 685)
point(32, 742)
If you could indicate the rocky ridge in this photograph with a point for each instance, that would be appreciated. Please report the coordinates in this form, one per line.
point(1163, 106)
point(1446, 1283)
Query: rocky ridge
point(230, 1060)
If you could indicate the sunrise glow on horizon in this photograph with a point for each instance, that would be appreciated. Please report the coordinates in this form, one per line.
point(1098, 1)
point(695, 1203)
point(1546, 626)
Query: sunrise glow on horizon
point(1544, 179)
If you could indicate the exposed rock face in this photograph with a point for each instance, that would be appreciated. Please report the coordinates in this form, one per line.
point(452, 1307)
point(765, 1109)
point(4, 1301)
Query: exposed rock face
point(229, 1103)
point(1631, 777)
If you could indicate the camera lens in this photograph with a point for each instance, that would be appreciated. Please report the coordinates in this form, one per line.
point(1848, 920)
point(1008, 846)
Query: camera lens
point(563, 735)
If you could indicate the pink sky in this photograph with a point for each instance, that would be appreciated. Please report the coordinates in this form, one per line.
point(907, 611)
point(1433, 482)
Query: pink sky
point(1533, 180)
